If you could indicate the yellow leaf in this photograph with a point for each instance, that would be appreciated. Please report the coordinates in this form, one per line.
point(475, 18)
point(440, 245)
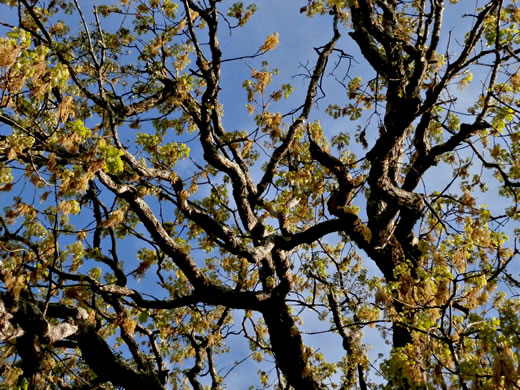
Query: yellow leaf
point(11, 375)
point(81, 235)
point(64, 109)
point(115, 218)
point(247, 148)
point(14, 284)
point(270, 42)
point(129, 326)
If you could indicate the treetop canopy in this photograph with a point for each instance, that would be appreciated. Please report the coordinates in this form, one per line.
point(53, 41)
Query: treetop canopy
point(150, 242)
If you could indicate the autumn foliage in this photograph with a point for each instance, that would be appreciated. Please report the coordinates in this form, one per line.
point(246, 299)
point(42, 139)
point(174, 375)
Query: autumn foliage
point(146, 243)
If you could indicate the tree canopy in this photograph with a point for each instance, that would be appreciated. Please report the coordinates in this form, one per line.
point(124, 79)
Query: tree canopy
point(149, 242)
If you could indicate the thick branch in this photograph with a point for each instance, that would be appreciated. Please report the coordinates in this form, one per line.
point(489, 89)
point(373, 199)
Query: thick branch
point(309, 235)
point(108, 367)
point(291, 354)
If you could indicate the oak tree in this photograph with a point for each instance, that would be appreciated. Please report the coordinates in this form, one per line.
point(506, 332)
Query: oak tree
point(145, 236)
